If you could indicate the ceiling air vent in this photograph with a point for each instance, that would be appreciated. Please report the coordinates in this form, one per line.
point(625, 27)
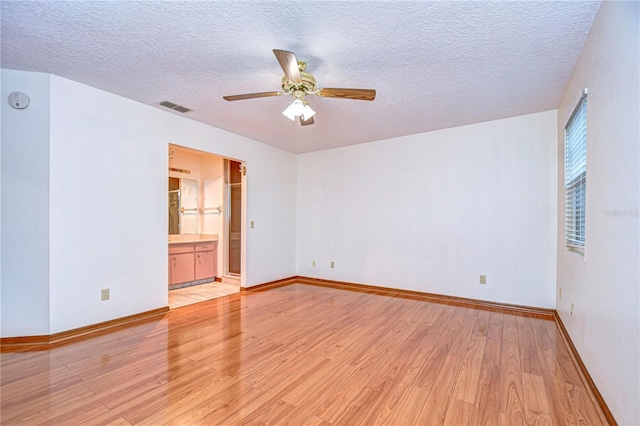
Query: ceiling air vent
point(175, 107)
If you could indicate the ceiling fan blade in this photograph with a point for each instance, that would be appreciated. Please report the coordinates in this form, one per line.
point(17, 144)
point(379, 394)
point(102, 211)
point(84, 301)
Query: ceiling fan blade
point(358, 94)
point(308, 122)
point(289, 64)
point(251, 96)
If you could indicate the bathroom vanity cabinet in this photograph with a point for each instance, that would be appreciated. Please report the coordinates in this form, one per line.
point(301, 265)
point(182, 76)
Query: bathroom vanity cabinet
point(192, 261)
point(205, 261)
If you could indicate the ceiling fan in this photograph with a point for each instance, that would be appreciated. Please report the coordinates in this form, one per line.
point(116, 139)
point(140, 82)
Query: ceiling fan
point(299, 83)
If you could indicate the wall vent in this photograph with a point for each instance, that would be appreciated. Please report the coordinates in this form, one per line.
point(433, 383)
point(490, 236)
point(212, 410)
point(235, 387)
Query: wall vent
point(175, 107)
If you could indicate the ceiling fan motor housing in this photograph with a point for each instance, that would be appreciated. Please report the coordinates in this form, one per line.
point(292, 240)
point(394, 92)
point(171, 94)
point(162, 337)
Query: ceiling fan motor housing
point(307, 85)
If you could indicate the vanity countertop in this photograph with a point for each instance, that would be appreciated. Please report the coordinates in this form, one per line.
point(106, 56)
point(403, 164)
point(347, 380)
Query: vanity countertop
point(192, 238)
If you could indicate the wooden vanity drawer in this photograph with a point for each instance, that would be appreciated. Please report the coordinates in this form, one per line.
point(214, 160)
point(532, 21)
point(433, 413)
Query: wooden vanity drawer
point(205, 246)
point(180, 248)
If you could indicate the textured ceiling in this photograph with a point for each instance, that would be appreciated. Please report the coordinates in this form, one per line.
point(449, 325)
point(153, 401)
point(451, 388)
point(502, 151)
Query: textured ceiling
point(434, 64)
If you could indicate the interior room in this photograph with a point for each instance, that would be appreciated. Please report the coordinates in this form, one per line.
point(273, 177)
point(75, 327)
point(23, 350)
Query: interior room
point(320, 212)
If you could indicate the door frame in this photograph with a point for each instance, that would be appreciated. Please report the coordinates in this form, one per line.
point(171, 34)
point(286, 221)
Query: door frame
point(226, 218)
point(243, 209)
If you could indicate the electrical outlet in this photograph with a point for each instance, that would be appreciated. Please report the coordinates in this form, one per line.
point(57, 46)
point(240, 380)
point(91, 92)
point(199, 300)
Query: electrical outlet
point(251, 224)
point(333, 264)
point(560, 293)
point(483, 279)
point(573, 314)
point(104, 294)
point(313, 263)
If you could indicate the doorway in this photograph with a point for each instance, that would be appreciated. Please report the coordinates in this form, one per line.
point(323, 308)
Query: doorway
point(205, 212)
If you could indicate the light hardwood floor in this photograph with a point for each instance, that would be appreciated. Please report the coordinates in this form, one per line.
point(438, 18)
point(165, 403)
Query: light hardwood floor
point(302, 354)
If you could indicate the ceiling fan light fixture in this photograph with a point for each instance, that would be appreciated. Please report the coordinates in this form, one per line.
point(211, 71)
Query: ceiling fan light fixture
point(307, 112)
point(294, 110)
point(299, 108)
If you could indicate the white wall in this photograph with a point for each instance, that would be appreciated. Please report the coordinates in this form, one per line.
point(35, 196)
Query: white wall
point(25, 206)
point(604, 284)
point(433, 211)
point(107, 217)
point(108, 206)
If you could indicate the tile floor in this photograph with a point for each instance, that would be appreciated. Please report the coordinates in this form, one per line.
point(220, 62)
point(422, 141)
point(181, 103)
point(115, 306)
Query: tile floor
point(199, 293)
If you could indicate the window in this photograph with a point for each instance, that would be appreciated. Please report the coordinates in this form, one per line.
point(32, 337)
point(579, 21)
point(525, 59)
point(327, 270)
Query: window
point(575, 175)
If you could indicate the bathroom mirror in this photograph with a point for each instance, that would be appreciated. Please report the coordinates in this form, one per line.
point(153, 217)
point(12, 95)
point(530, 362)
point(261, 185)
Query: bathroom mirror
point(183, 206)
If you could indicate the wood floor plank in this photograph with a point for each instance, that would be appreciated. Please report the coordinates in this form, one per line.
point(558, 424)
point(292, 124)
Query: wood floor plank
point(123, 393)
point(436, 348)
point(340, 402)
point(193, 398)
point(312, 421)
point(369, 370)
point(439, 398)
point(460, 342)
point(31, 365)
point(260, 406)
point(528, 350)
point(316, 389)
point(410, 407)
point(586, 411)
point(561, 407)
point(303, 354)
point(398, 377)
point(394, 377)
point(467, 381)
point(535, 400)
point(486, 407)
point(482, 324)
point(511, 396)
point(493, 349)
point(458, 413)
point(63, 402)
point(274, 413)
point(21, 390)
point(487, 402)
point(112, 382)
point(118, 422)
point(81, 413)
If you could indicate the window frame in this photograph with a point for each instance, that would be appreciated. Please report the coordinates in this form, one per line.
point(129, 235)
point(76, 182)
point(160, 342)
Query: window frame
point(575, 176)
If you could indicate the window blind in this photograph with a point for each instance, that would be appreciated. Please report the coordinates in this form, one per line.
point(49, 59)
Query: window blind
point(575, 175)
